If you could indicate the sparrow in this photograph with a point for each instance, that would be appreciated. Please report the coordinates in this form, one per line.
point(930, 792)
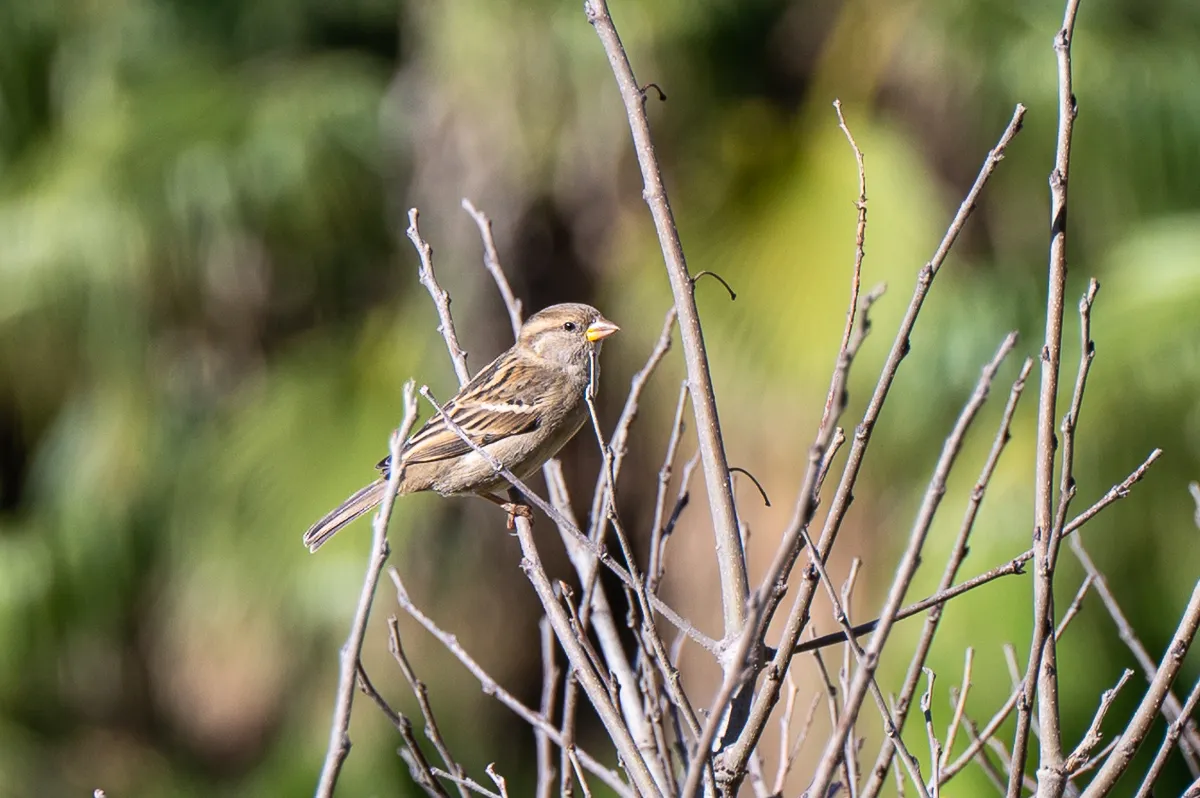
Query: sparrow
point(521, 408)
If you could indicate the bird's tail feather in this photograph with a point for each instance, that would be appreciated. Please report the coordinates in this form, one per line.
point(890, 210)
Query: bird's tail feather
point(361, 502)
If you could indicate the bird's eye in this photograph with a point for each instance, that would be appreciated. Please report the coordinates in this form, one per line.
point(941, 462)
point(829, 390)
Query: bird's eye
point(569, 326)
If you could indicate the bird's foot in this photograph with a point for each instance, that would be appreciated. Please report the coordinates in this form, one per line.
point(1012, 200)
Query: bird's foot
point(515, 510)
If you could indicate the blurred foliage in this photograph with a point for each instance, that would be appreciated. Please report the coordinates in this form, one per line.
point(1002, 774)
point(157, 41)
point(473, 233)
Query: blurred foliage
point(207, 311)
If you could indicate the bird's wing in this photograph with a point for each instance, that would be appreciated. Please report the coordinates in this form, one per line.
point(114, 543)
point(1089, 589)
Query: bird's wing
point(502, 400)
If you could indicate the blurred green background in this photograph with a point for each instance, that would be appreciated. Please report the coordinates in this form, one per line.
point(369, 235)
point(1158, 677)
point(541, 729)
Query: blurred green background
point(208, 308)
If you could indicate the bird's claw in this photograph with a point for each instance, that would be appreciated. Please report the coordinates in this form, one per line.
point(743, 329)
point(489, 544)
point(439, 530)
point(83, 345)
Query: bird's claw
point(514, 510)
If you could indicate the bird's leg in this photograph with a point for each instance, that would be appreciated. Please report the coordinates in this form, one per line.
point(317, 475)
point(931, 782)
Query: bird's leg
point(514, 507)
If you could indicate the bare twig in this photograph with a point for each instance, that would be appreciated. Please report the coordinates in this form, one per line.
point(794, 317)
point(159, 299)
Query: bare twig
point(1147, 711)
point(441, 298)
point(959, 708)
point(497, 779)
point(957, 554)
point(736, 756)
point(653, 569)
point(1093, 736)
point(1189, 742)
point(339, 735)
point(788, 750)
point(702, 756)
point(491, 687)
point(421, 693)
point(1041, 680)
point(418, 766)
point(573, 755)
point(1172, 736)
point(1013, 566)
point(730, 557)
point(1075, 606)
point(908, 566)
point(550, 674)
point(589, 680)
point(683, 496)
point(982, 738)
point(620, 436)
point(466, 783)
point(845, 759)
point(831, 701)
point(491, 262)
point(654, 648)
point(935, 747)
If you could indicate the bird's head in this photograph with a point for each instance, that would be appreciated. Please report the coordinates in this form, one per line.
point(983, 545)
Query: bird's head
point(566, 334)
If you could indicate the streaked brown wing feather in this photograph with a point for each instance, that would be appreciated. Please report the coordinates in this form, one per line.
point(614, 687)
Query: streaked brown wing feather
point(487, 409)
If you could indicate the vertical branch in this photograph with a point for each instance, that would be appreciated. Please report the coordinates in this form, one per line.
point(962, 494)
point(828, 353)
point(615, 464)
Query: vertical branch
point(545, 763)
point(339, 735)
point(1041, 678)
point(731, 559)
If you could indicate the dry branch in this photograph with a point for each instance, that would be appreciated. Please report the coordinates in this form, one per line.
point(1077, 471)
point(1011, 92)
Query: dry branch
point(730, 556)
point(339, 735)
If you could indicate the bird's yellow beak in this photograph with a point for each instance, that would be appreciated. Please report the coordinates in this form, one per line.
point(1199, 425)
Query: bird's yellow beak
point(599, 330)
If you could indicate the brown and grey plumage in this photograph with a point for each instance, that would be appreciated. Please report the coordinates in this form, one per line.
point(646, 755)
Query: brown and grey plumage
point(520, 408)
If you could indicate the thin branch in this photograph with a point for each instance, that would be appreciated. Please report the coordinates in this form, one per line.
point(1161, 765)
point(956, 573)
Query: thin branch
point(1172, 736)
point(418, 766)
point(620, 436)
point(935, 747)
point(702, 755)
point(441, 298)
point(1041, 682)
point(1147, 711)
point(908, 564)
point(491, 262)
point(497, 779)
point(838, 755)
point(339, 733)
point(1093, 736)
point(1189, 743)
point(421, 693)
point(466, 783)
point(1076, 604)
point(657, 530)
point(788, 754)
point(831, 701)
point(790, 542)
point(1002, 714)
point(730, 557)
point(550, 673)
point(682, 498)
point(1012, 567)
point(958, 553)
point(849, 649)
point(655, 649)
point(589, 679)
point(959, 708)
point(491, 687)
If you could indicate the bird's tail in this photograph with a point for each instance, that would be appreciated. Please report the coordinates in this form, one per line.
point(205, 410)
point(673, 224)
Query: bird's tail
point(361, 502)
